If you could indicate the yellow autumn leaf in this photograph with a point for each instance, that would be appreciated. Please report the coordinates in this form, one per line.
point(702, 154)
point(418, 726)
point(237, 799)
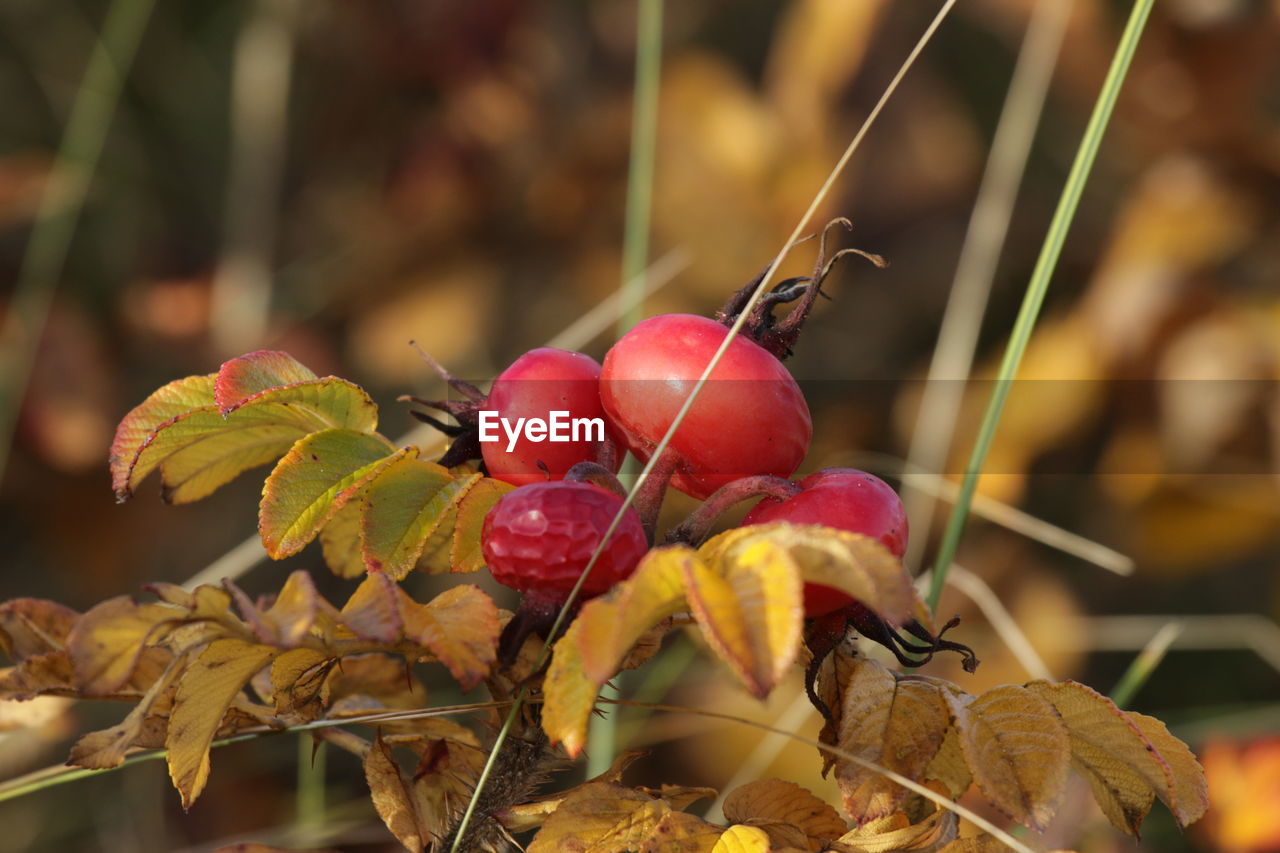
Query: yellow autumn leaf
point(948, 767)
point(977, 844)
point(108, 640)
point(205, 690)
point(391, 797)
point(682, 832)
point(852, 563)
point(373, 610)
point(299, 679)
point(1126, 757)
point(108, 748)
point(291, 616)
point(465, 555)
point(742, 839)
point(895, 833)
point(751, 610)
point(600, 817)
point(598, 640)
point(897, 722)
point(459, 626)
point(775, 801)
point(1017, 749)
point(340, 540)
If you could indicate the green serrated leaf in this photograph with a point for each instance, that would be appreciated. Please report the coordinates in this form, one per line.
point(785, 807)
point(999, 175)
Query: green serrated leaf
point(340, 540)
point(243, 377)
point(319, 474)
point(167, 403)
point(465, 555)
point(404, 508)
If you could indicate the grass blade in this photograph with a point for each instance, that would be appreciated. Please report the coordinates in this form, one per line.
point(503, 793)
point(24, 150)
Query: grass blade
point(1036, 289)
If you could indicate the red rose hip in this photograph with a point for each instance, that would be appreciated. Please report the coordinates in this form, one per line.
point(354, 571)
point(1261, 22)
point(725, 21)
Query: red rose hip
point(539, 538)
point(846, 499)
point(750, 418)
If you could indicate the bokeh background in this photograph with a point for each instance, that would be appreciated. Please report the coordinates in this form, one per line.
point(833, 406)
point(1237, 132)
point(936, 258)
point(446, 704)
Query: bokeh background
point(335, 178)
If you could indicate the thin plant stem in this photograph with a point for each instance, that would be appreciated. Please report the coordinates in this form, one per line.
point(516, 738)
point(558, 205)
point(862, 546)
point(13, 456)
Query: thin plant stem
point(979, 256)
point(309, 800)
point(644, 136)
point(62, 202)
point(1036, 289)
point(1144, 665)
point(658, 452)
point(602, 735)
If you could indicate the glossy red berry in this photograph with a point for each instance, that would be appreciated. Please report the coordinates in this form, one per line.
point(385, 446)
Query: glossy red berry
point(750, 418)
point(538, 539)
point(536, 384)
point(846, 499)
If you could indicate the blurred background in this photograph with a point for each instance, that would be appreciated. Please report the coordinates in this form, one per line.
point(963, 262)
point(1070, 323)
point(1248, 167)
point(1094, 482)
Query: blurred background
point(335, 178)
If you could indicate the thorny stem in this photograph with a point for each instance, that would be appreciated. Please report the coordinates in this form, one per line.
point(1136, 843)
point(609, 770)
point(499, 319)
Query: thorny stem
point(694, 529)
point(463, 387)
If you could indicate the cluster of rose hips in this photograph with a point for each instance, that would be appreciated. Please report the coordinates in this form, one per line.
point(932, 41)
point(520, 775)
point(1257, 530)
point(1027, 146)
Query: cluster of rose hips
point(746, 433)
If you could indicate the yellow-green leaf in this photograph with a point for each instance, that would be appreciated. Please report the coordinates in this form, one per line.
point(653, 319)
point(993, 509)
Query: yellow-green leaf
point(852, 563)
point(255, 372)
point(314, 479)
point(751, 610)
point(459, 626)
point(466, 556)
point(404, 505)
point(205, 691)
point(1126, 757)
point(162, 406)
point(340, 540)
point(1017, 749)
point(897, 722)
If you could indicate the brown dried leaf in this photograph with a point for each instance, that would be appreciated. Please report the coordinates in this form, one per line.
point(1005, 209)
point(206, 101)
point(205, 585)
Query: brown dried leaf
point(205, 691)
point(750, 609)
point(1018, 750)
point(47, 674)
point(678, 832)
point(896, 722)
point(770, 802)
point(978, 844)
point(598, 817)
point(1126, 757)
point(34, 626)
point(948, 767)
point(391, 796)
point(299, 681)
point(895, 832)
point(108, 640)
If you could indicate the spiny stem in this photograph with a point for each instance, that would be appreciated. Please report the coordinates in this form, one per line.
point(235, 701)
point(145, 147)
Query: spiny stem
point(1036, 289)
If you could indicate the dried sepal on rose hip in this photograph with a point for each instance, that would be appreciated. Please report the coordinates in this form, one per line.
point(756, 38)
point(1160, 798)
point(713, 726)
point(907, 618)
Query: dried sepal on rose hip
point(538, 383)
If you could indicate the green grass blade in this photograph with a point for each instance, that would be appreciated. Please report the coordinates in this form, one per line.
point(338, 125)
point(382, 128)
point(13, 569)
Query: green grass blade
point(1036, 289)
point(62, 202)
